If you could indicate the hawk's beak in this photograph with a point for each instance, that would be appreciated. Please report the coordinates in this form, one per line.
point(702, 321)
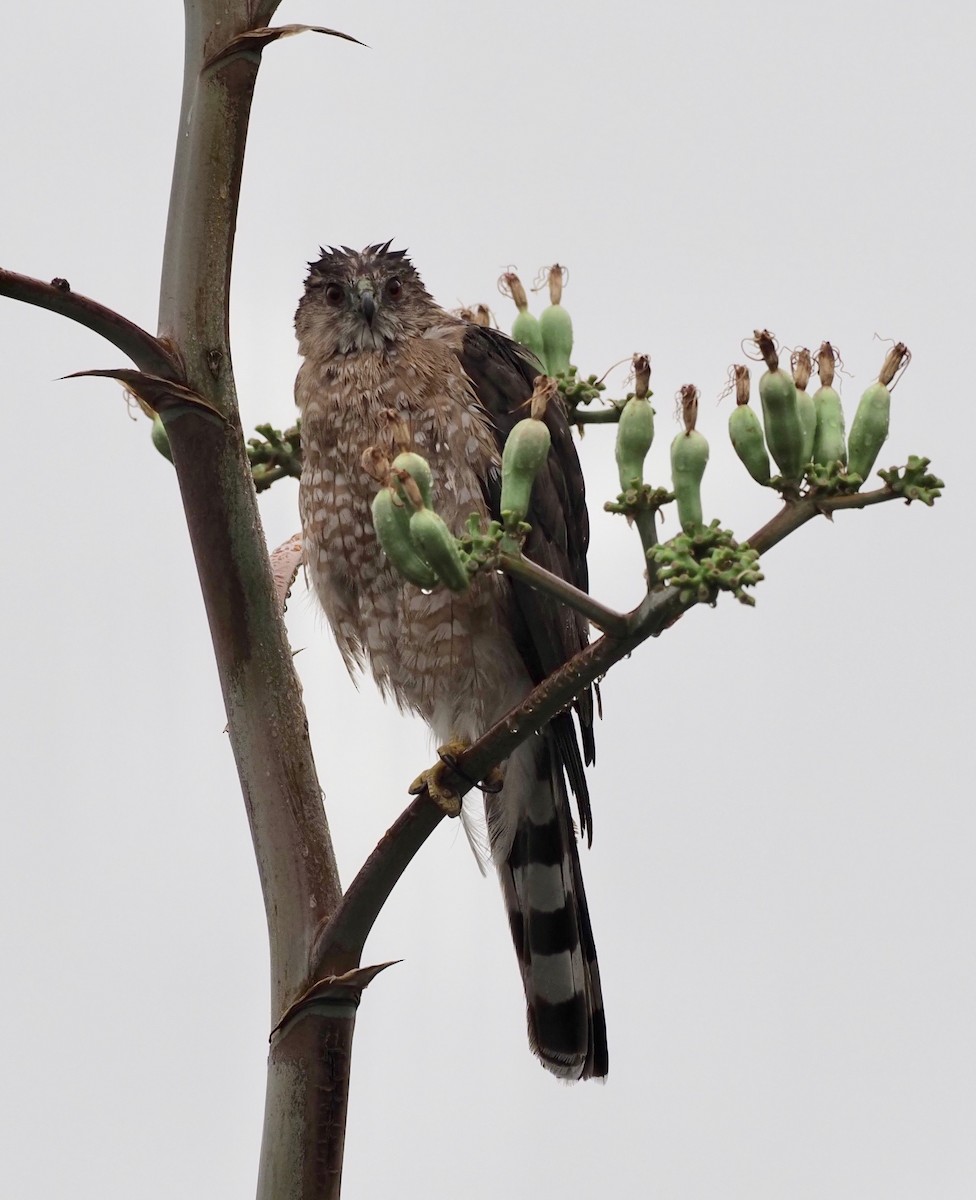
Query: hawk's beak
point(367, 304)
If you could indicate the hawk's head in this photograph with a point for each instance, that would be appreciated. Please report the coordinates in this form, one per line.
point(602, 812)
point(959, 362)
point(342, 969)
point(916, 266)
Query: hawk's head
point(361, 300)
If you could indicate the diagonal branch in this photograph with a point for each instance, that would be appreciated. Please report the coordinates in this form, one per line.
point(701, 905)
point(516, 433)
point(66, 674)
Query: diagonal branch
point(795, 513)
point(530, 573)
point(150, 354)
point(340, 944)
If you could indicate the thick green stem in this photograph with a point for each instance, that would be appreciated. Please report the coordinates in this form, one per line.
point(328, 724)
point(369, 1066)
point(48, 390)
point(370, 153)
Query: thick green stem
point(305, 1104)
point(265, 716)
point(266, 720)
point(646, 522)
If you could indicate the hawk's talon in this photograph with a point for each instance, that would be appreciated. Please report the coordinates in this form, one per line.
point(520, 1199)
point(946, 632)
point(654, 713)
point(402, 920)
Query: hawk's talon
point(492, 783)
point(447, 801)
point(434, 779)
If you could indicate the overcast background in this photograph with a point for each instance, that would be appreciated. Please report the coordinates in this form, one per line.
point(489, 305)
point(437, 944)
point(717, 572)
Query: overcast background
point(781, 882)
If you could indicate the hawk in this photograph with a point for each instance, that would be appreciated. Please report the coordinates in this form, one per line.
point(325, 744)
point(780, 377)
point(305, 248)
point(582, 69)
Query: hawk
point(385, 365)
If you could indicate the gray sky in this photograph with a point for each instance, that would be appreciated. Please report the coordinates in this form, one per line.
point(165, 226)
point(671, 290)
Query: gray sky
point(781, 882)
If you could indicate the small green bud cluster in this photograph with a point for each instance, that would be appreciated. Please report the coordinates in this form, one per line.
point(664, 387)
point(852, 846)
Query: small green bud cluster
point(805, 434)
point(576, 391)
point(418, 542)
point(481, 545)
point(550, 336)
point(414, 538)
point(274, 455)
point(706, 562)
point(638, 500)
point(914, 482)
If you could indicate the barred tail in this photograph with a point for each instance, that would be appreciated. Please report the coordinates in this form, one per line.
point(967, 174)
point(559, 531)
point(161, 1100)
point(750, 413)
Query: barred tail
point(534, 847)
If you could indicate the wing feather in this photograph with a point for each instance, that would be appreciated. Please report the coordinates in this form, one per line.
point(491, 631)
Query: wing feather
point(547, 633)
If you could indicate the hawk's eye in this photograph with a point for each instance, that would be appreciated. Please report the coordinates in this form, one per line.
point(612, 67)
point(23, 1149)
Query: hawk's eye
point(394, 288)
point(333, 294)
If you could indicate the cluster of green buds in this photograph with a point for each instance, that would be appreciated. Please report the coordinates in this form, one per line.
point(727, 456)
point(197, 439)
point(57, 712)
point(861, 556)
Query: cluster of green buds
point(418, 542)
point(805, 434)
point(414, 538)
point(274, 454)
point(913, 481)
point(705, 562)
point(702, 560)
point(550, 336)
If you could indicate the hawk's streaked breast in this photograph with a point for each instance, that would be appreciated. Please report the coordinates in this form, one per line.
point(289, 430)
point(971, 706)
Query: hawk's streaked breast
point(385, 365)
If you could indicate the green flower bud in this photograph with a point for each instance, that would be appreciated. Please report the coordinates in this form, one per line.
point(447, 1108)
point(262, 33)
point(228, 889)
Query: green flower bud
point(419, 471)
point(829, 446)
point(869, 429)
point(391, 520)
point(781, 417)
point(689, 454)
point(524, 454)
point(435, 543)
point(635, 433)
point(556, 326)
point(160, 438)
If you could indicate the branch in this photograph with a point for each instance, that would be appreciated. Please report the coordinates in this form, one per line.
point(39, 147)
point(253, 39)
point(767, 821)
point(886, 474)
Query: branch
point(339, 946)
point(308, 1071)
point(528, 572)
point(262, 697)
point(149, 353)
point(308, 1084)
point(646, 522)
point(795, 513)
point(341, 942)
